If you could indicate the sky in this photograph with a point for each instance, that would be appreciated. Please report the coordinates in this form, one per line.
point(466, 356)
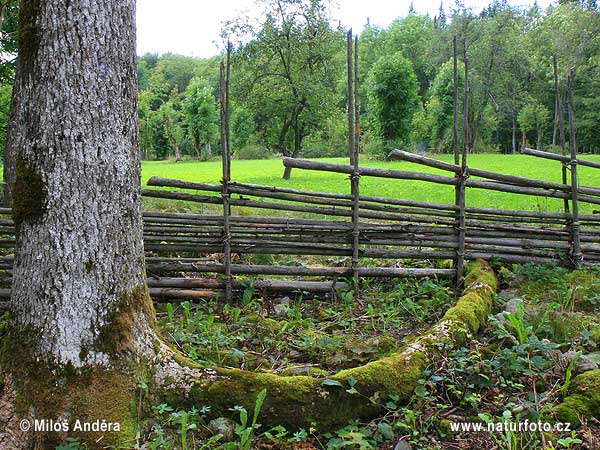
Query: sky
point(192, 27)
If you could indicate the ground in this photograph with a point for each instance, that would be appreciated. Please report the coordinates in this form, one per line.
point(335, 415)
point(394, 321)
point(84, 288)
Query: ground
point(518, 367)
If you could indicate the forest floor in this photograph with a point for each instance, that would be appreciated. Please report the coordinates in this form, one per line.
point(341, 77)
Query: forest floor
point(545, 329)
point(268, 172)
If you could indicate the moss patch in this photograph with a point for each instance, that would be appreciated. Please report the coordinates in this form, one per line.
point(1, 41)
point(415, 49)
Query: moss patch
point(583, 399)
point(61, 392)
point(29, 193)
point(117, 335)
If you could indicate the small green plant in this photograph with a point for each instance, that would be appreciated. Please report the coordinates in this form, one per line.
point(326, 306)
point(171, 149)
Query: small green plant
point(568, 442)
point(519, 324)
point(243, 430)
point(569, 373)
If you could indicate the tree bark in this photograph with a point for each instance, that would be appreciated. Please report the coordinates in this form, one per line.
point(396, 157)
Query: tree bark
point(208, 150)
point(197, 146)
point(80, 310)
point(171, 136)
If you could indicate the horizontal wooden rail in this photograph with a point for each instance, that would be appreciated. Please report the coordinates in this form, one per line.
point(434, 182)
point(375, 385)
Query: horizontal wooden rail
point(513, 179)
point(439, 179)
point(557, 157)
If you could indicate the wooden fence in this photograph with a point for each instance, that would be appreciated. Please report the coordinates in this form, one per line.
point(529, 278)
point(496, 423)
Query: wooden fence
point(259, 219)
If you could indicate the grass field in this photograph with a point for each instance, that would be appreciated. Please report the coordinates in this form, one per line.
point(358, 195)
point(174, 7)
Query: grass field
point(269, 172)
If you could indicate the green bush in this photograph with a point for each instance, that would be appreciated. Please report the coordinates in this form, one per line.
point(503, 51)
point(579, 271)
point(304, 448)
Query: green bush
point(253, 151)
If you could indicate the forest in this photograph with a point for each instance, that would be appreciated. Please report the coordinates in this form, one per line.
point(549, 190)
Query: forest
point(299, 101)
point(289, 92)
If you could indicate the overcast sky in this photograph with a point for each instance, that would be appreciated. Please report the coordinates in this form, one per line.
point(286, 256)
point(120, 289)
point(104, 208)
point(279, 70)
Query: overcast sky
point(191, 27)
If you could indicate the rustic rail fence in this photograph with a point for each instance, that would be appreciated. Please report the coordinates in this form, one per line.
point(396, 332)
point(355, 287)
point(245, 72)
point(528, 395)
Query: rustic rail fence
point(181, 248)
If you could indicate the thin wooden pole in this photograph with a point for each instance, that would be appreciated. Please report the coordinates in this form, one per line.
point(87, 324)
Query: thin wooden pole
point(466, 142)
point(561, 127)
point(557, 157)
point(462, 178)
point(577, 255)
point(459, 261)
point(455, 127)
point(355, 177)
point(353, 156)
point(225, 157)
point(356, 105)
point(350, 99)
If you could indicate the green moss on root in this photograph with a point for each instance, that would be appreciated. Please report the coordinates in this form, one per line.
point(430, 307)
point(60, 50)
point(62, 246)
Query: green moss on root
point(480, 271)
point(116, 336)
point(583, 399)
point(300, 401)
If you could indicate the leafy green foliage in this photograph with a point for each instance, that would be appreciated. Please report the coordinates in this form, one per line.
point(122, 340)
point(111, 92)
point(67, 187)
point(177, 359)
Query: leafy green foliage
point(305, 335)
point(393, 96)
point(201, 114)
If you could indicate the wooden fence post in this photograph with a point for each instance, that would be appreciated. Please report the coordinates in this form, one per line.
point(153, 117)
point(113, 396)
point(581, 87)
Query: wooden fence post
point(353, 145)
point(577, 256)
point(462, 176)
point(561, 128)
point(225, 157)
point(355, 187)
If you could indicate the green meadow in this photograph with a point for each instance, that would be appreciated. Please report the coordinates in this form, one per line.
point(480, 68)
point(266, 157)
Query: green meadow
point(269, 172)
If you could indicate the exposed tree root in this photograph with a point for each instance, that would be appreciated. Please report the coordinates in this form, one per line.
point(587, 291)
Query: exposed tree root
point(300, 401)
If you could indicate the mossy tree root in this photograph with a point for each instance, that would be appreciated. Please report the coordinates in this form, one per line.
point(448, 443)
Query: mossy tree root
point(583, 400)
point(300, 401)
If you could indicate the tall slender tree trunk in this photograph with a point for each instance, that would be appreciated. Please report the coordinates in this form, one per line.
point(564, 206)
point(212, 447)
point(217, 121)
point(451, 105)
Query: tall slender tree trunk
point(81, 317)
point(539, 138)
point(208, 150)
point(555, 124)
point(514, 134)
point(171, 136)
point(197, 146)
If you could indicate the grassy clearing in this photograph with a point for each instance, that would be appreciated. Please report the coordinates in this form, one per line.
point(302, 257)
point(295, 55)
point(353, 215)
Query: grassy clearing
point(269, 172)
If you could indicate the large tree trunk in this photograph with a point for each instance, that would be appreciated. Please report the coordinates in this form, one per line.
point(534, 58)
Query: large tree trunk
point(80, 310)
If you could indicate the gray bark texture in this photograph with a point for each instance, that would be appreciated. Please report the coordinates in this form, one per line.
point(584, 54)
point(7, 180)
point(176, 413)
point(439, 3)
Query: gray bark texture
point(79, 308)
point(77, 202)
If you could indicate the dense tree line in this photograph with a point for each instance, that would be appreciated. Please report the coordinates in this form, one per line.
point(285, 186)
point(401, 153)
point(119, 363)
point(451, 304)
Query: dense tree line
point(289, 90)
